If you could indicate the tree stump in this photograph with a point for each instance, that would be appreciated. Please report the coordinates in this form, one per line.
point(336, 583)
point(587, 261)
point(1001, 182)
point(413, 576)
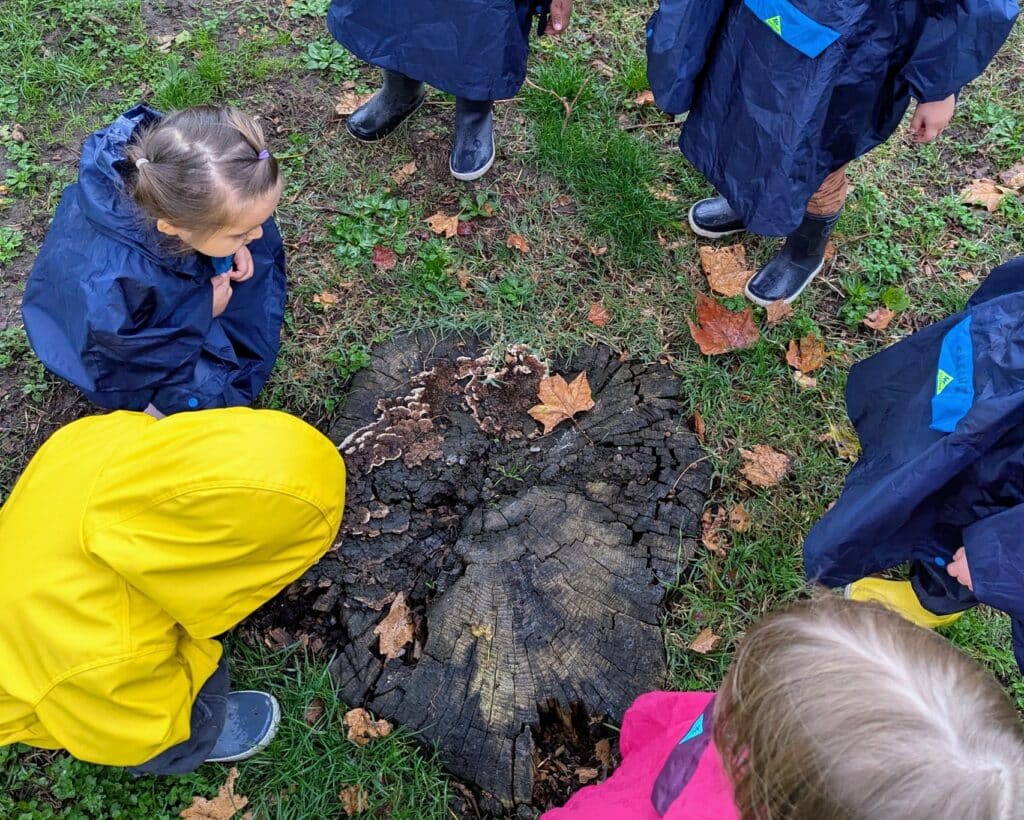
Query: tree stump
point(491, 580)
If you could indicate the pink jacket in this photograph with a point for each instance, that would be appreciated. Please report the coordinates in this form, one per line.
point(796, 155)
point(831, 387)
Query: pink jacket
point(670, 767)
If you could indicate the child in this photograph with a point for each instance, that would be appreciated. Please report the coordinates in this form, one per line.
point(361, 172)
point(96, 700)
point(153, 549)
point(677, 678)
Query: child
point(831, 709)
point(161, 282)
point(784, 94)
point(128, 544)
point(938, 482)
point(473, 49)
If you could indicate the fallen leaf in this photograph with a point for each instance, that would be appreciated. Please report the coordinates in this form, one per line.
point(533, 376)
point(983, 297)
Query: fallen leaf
point(349, 101)
point(879, 318)
point(598, 315)
point(845, 440)
point(362, 728)
point(446, 225)
point(603, 753)
point(830, 251)
point(465, 282)
point(719, 330)
point(705, 641)
point(986, 193)
point(314, 710)
point(763, 466)
point(353, 800)
point(17, 133)
point(777, 311)
point(326, 298)
point(560, 401)
point(222, 807)
point(384, 258)
point(603, 67)
point(465, 228)
point(277, 638)
point(807, 355)
point(396, 629)
point(968, 276)
point(598, 250)
point(699, 428)
point(711, 529)
point(1013, 176)
point(739, 519)
point(726, 268)
point(516, 242)
point(482, 631)
point(804, 381)
point(586, 775)
point(405, 173)
point(644, 98)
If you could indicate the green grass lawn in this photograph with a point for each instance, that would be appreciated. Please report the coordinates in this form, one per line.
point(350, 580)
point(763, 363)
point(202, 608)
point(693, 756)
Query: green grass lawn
point(593, 182)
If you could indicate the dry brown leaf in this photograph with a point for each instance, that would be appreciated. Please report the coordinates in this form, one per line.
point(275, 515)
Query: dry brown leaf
point(699, 428)
point(405, 173)
point(465, 281)
point(879, 318)
point(585, 775)
point(222, 807)
point(726, 268)
point(1013, 176)
point(384, 258)
point(314, 710)
point(777, 311)
point(711, 531)
point(598, 315)
point(353, 800)
point(362, 728)
point(349, 101)
point(644, 98)
point(763, 466)
point(561, 401)
point(396, 629)
point(448, 226)
point(705, 641)
point(719, 330)
point(598, 250)
point(326, 298)
point(804, 381)
point(516, 242)
point(739, 519)
point(807, 355)
point(986, 193)
point(603, 753)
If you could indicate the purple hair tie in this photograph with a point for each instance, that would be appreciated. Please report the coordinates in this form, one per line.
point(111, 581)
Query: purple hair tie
point(264, 154)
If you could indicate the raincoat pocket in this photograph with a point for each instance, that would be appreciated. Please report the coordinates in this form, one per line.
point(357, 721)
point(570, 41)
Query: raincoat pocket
point(792, 26)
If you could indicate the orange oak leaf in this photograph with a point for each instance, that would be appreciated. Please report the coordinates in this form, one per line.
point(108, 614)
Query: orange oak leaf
point(222, 807)
point(561, 401)
point(705, 641)
point(806, 355)
point(516, 242)
point(763, 466)
point(699, 428)
point(447, 226)
point(726, 268)
point(362, 728)
point(644, 98)
point(719, 330)
point(396, 629)
point(879, 319)
point(599, 315)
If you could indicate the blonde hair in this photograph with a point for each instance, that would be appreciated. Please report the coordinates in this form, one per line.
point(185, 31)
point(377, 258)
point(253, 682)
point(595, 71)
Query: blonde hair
point(838, 710)
point(191, 167)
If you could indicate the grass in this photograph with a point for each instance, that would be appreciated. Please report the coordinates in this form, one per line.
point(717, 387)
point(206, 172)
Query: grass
point(594, 184)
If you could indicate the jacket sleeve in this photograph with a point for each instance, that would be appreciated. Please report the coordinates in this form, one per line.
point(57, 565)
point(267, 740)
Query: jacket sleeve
point(995, 555)
point(958, 41)
point(121, 713)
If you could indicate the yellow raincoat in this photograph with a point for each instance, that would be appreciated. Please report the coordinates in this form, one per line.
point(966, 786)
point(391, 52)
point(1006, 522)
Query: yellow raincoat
point(126, 546)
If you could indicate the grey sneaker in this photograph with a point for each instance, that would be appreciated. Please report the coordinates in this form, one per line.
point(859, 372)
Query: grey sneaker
point(251, 724)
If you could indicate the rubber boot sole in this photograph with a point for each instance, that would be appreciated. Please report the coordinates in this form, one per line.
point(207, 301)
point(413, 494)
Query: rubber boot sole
point(704, 232)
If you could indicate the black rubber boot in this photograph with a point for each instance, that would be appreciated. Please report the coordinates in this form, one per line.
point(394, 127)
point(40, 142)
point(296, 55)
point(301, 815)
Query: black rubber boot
point(714, 218)
point(473, 148)
point(387, 109)
point(801, 259)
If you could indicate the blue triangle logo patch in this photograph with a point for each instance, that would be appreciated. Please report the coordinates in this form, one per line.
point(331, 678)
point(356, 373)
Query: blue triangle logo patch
point(695, 731)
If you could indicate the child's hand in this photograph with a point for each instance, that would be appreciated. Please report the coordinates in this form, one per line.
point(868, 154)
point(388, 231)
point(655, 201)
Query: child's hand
point(958, 569)
point(221, 293)
point(244, 266)
point(558, 17)
point(931, 119)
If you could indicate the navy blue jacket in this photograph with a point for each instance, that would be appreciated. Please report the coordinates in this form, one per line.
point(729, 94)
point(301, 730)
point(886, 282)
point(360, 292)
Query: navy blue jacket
point(475, 49)
point(110, 309)
point(783, 92)
point(940, 417)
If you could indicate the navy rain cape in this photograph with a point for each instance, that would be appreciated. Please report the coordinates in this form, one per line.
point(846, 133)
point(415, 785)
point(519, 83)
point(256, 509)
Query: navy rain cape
point(474, 49)
point(783, 92)
point(940, 416)
point(129, 322)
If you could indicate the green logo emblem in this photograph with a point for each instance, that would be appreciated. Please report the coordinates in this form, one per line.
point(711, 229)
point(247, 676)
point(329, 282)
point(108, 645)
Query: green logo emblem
point(775, 24)
point(942, 381)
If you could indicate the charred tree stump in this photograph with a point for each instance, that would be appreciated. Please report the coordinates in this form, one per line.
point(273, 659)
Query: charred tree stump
point(531, 568)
